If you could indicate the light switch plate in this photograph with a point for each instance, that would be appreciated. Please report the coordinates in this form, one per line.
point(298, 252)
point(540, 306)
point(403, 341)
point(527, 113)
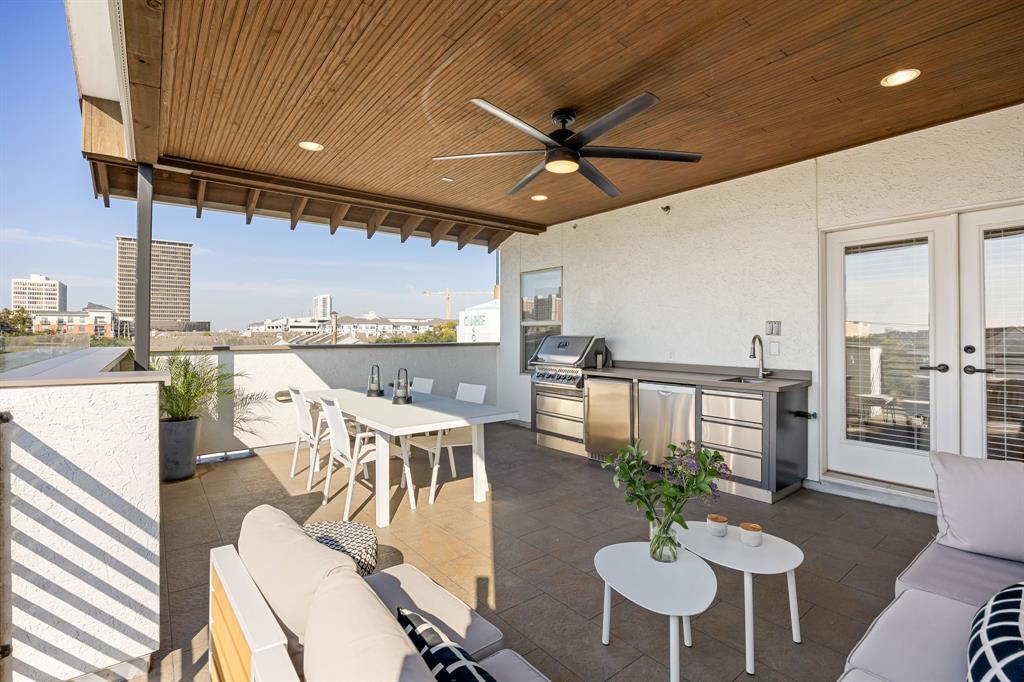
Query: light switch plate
point(774, 348)
point(773, 328)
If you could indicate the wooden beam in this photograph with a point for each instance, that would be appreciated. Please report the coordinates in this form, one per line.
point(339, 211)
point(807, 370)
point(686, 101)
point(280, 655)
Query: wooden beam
point(102, 128)
point(200, 195)
point(376, 218)
point(298, 206)
point(411, 223)
point(143, 42)
point(496, 239)
point(337, 215)
point(250, 205)
point(440, 230)
point(104, 178)
point(468, 232)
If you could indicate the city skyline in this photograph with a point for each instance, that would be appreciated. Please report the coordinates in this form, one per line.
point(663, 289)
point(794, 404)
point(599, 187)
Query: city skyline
point(240, 273)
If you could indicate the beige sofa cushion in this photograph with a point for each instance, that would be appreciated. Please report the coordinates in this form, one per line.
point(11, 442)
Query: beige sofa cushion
point(408, 587)
point(287, 566)
point(980, 505)
point(351, 635)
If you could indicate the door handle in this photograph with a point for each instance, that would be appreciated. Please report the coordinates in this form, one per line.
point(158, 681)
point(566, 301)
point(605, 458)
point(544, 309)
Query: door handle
point(971, 369)
point(941, 367)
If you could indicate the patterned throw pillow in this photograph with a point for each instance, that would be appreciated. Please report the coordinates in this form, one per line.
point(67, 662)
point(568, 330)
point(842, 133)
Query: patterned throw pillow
point(996, 648)
point(448, 661)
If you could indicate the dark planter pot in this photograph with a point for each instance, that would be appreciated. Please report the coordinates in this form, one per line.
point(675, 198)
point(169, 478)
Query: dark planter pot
point(179, 441)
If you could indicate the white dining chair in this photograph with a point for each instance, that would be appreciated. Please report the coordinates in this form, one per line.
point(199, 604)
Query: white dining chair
point(422, 384)
point(450, 438)
point(305, 433)
point(351, 450)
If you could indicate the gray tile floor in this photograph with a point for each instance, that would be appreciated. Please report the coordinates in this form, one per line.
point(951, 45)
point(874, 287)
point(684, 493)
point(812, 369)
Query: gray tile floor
point(524, 559)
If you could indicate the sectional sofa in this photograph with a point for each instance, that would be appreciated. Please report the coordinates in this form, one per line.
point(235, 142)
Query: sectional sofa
point(979, 550)
point(284, 607)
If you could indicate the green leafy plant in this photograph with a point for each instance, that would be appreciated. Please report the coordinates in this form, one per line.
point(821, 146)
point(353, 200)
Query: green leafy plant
point(197, 384)
point(661, 495)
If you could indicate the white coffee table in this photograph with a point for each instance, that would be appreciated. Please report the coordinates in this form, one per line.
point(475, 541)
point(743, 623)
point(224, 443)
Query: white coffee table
point(679, 589)
point(773, 556)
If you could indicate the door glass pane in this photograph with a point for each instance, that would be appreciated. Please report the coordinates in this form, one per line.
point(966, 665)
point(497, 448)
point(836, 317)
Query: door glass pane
point(1004, 344)
point(887, 339)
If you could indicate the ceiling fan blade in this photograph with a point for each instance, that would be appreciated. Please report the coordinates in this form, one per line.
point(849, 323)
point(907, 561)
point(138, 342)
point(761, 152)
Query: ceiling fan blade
point(514, 122)
point(635, 153)
point(481, 155)
point(611, 119)
point(528, 178)
point(590, 172)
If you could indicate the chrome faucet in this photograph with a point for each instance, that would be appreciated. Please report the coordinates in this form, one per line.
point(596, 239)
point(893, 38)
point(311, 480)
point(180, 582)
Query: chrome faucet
point(756, 344)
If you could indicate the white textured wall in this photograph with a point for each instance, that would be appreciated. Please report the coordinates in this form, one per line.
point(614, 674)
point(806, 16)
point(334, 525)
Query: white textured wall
point(313, 368)
point(693, 285)
point(81, 477)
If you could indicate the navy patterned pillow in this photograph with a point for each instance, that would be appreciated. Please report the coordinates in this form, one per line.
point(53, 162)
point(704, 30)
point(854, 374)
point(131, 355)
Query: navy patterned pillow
point(996, 648)
point(448, 661)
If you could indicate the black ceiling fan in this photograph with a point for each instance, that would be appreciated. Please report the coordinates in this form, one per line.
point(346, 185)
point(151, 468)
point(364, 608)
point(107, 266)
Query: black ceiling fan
point(566, 151)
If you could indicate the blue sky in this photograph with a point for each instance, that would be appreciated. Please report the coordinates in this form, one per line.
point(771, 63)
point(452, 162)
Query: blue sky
point(50, 224)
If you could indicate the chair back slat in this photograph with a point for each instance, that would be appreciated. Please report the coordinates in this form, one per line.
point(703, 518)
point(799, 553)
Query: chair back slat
point(338, 425)
point(472, 393)
point(422, 384)
point(303, 420)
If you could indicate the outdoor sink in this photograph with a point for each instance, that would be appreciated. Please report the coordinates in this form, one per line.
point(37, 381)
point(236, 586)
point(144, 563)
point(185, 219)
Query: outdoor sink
point(745, 380)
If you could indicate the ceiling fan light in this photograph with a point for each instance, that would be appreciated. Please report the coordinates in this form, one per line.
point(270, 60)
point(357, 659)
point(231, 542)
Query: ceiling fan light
point(561, 160)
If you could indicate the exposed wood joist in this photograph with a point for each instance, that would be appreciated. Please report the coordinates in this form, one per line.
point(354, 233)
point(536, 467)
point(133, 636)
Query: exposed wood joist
point(143, 41)
point(298, 206)
point(376, 218)
point(337, 215)
point(103, 178)
point(440, 230)
point(467, 235)
point(250, 205)
point(200, 195)
point(411, 223)
point(496, 239)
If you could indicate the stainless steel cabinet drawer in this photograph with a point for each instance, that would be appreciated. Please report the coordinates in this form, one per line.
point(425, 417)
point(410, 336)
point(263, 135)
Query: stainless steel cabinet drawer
point(732, 436)
point(563, 427)
point(553, 404)
point(746, 407)
point(743, 466)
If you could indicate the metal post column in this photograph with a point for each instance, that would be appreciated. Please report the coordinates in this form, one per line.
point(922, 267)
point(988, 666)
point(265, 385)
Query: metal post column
point(143, 263)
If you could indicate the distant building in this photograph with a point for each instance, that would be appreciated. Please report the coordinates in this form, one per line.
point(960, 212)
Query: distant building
point(171, 293)
point(93, 319)
point(38, 292)
point(322, 306)
point(480, 323)
point(366, 326)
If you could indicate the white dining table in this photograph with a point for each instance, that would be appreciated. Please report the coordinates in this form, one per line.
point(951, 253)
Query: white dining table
point(426, 413)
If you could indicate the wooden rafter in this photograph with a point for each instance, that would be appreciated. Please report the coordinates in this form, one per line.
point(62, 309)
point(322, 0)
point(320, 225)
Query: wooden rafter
point(376, 218)
point(337, 215)
point(250, 205)
point(440, 230)
point(411, 223)
point(200, 195)
point(298, 206)
point(496, 239)
point(467, 235)
point(104, 183)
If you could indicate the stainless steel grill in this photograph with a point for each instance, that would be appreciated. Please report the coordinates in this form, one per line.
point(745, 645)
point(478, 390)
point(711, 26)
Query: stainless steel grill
point(557, 379)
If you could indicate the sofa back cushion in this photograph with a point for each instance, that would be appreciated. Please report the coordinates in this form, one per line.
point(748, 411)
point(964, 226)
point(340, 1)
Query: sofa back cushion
point(980, 505)
point(287, 566)
point(351, 635)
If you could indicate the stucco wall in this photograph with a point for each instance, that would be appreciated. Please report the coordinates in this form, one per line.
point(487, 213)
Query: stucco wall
point(694, 284)
point(82, 539)
point(313, 368)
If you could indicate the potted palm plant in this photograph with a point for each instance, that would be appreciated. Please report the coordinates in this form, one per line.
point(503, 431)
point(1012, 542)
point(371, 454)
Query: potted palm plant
point(196, 385)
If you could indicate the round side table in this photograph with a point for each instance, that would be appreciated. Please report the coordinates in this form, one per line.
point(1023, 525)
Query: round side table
point(679, 589)
point(354, 539)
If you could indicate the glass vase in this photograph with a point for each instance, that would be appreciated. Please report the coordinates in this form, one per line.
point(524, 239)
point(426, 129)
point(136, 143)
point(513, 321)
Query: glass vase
point(664, 545)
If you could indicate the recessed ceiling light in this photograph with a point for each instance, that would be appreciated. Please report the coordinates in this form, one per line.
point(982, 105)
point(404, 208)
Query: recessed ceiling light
point(539, 197)
point(447, 179)
point(311, 146)
point(900, 77)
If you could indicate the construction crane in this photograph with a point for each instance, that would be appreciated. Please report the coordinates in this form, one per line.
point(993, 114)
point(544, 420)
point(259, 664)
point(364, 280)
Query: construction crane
point(448, 294)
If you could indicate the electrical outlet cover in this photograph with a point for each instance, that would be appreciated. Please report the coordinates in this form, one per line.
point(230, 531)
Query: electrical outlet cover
point(774, 348)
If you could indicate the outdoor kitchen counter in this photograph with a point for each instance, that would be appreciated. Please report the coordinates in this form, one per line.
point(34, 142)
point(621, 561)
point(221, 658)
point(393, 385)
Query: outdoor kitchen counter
point(712, 378)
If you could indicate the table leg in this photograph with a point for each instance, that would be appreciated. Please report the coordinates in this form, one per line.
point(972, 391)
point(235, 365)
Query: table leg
point(606, 621)
point(687, 632)
point(748, 620)
point(382, 480)
point(479, 465)
point(794, 610)
point(673, 648)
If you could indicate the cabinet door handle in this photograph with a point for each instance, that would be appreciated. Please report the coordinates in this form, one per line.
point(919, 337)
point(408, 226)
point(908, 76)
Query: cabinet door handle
point(971, 369)
point(941, 367)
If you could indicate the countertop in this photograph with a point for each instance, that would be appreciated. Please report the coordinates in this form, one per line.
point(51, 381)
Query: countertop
point(698, 378)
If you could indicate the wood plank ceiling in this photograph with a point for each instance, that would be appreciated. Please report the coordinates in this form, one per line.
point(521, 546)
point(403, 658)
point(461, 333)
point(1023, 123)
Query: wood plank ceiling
point(384, 86)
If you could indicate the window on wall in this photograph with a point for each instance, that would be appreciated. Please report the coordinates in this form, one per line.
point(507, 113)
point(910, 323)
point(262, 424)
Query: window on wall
point(540, 309)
